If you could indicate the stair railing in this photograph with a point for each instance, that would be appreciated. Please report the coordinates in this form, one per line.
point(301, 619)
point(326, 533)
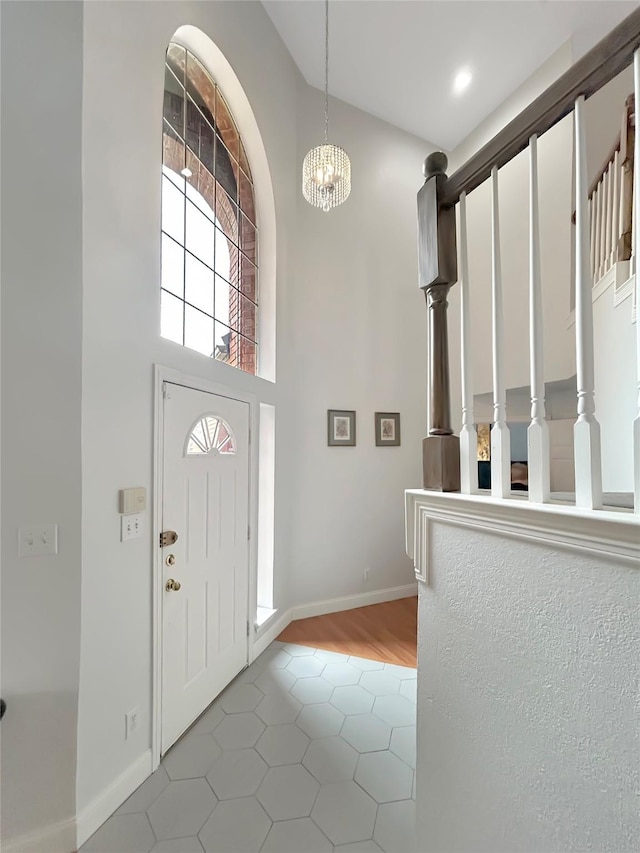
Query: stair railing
point(611, 201)
point(604, 216)
point(449, 463)
point(627, 165)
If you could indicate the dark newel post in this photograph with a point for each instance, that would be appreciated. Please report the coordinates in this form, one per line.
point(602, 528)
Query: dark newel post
point(437, 268)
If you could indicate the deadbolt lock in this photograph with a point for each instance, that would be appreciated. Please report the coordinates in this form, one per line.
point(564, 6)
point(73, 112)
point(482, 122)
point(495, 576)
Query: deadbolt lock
point(171, 560)
point(172, 586)
point(168, 537)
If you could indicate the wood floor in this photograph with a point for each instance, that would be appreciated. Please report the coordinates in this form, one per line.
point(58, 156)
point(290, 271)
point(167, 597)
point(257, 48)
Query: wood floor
point(385, 632)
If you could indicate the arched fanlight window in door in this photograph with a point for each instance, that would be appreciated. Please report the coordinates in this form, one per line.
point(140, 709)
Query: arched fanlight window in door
point(210, 434)
point(209, 228)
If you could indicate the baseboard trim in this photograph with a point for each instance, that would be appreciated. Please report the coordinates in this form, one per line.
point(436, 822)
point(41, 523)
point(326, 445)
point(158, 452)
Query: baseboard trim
point(104, 805)
point(271, 629)
point(350, 602)
point(329, 605)
point(57, 838)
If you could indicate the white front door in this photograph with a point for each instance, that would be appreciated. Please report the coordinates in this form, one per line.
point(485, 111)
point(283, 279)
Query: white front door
point(205, 501)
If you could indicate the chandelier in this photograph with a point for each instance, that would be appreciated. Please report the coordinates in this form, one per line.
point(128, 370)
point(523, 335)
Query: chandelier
point(326, 171)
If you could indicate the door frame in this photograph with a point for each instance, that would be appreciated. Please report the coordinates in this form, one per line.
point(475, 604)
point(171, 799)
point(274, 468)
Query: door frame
point(177, 377)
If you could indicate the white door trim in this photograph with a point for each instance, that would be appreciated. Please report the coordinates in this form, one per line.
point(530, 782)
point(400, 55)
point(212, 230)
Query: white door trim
point(177, 377)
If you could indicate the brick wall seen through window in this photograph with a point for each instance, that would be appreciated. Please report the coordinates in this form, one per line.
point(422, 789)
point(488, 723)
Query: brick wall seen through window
point(209, 289)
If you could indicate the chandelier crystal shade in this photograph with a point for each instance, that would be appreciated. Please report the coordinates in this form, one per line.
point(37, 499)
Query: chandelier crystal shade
point(326, 171)
point(326, 176)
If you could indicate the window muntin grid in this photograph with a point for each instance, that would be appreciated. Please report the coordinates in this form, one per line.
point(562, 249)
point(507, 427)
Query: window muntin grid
point(209, 281)
point(210, 434)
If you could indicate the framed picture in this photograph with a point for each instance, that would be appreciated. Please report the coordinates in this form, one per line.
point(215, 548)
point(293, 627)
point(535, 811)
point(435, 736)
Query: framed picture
point(387, 429)
point(341, 428)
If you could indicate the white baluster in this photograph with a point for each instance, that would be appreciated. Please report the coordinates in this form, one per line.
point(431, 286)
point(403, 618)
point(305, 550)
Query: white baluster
point(468, 435)
point(611, 216)
point(538, 432)
point(603, 230)
point(634, 261)
point(586, 432)
point(598, 260)
point(615, 207)
point(592, 231)
point(636, 226)
point(500, 437)
point(621, 207)
point(606, 229)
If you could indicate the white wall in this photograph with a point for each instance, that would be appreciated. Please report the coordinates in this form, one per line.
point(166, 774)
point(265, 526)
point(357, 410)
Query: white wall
point(359, 343)
point(125, 45)
point(349, 331)
point(41, 389)
point(614, 339)
point(528, 678)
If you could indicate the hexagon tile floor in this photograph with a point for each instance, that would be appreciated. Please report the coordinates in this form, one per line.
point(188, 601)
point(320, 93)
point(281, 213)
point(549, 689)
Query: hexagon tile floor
point(306, 751)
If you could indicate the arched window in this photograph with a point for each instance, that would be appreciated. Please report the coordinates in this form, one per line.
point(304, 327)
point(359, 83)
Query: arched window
point(209, 234)
point(210, 435)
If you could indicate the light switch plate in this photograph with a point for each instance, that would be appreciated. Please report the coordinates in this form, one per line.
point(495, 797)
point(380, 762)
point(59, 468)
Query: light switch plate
point(130, 527)
point(37, 540)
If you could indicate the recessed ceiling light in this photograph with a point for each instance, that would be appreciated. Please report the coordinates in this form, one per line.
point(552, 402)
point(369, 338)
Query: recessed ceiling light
point(462, 80)
point(186, 172)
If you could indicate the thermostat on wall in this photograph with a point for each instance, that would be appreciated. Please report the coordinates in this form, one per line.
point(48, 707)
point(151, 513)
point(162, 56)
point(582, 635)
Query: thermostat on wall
point(132, 500)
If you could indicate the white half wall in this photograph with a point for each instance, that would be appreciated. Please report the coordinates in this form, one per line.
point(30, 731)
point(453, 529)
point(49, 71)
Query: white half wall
point(41, 55)
point(528, 680)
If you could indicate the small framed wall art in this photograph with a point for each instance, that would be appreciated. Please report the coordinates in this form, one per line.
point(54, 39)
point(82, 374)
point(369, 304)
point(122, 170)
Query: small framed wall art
point(387, 429)
point(341, 428)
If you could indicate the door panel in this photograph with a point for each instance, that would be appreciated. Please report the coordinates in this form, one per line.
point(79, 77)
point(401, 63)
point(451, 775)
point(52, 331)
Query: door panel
point(205, 499)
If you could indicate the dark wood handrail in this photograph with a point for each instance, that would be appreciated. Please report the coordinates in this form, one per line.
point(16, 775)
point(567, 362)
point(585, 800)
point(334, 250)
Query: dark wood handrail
point(596, 68)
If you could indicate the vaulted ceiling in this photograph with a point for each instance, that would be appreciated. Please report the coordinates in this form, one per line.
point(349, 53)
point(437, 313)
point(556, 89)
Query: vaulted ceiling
point(398, 59)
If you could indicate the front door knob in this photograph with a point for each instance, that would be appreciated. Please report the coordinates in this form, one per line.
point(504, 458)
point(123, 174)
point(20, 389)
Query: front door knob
point(172, 586)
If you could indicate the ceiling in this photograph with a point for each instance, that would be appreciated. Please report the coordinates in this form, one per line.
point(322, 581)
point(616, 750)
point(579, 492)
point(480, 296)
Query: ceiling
point(397, 59)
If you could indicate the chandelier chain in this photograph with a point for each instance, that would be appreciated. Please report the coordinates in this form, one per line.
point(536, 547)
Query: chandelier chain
point(326, 170)
point(326, 71)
